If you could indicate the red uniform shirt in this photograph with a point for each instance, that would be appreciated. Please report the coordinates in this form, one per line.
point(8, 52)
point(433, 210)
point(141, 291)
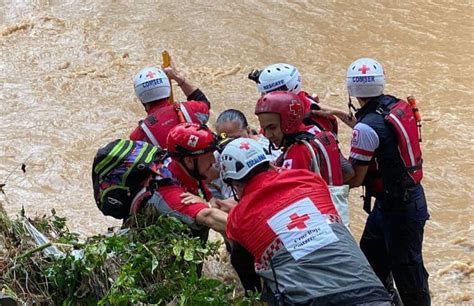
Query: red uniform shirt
point(171, 194)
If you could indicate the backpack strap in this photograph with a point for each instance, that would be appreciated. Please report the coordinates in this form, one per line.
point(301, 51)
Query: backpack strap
point(314, 161)
point(148, 133)
point(325, 154)
point(185, 112)
point(139, 199)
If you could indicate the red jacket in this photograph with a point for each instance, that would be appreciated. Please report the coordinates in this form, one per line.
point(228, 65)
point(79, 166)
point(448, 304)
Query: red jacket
point(267, 194)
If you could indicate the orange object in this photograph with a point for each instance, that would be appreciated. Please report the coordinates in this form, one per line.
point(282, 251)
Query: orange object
point(416, 112)
point(414, 107)
point(166, 63)
point(179, 112)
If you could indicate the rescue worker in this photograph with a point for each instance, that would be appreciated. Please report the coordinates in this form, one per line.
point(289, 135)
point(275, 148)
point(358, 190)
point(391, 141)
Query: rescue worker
point(191, 147)
point(233, 124)
point(153, 89)
point(285, 77)
point(286, 219)
point(281, 114)
point(393, 235)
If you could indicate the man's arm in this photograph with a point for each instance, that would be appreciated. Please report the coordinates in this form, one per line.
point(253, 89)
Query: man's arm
point(359, 174)
point(326, 111)
point(213, 218)
point(190, 91)
point(364, 142)
point(347, 169)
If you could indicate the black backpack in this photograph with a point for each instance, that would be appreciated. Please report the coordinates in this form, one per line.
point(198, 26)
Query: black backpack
point(120, 170)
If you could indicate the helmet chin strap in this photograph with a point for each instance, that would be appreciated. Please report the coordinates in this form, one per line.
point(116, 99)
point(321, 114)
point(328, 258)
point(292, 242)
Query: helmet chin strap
point(351, 107)
point(234, 194)
point(194, 173)
point(271, 146)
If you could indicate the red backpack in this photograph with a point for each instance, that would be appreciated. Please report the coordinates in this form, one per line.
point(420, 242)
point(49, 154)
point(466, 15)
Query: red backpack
point(402, 118)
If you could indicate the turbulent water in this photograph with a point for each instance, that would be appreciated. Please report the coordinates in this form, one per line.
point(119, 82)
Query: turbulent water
point(67, 69)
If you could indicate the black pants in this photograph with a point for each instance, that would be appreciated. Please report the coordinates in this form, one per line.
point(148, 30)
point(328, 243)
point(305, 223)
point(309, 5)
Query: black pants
point(243, 263)
point(392, 242)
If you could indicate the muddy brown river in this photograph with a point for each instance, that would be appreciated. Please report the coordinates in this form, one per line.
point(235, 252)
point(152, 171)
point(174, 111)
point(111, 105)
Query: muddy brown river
point(66, 88)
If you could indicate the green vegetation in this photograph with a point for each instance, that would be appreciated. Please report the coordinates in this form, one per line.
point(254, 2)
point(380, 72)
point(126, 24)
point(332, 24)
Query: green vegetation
point(151, 264)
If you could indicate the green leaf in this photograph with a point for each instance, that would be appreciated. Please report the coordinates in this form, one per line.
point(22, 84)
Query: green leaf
point(188, 254)
point(177, 249)
point(154, 263)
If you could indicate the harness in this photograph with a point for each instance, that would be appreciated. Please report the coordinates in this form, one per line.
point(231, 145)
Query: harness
point(398, 163)
point(183, 116)
point(324, 161)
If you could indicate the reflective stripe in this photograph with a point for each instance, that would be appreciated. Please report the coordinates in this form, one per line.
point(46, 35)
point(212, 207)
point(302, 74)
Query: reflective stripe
point(326, 157)
point(109, 157)
point(314, 160)
point(125, 152)
point(137, 201)
point(407, 139)
point(150, 155)
point(185, 113)
point(148, 134)
point(137, 159)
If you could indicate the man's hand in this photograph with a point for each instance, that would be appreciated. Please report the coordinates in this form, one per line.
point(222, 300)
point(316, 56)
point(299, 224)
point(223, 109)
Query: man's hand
point(188, 198)
point(225, 205)
point(326, 111)
point(172, 72)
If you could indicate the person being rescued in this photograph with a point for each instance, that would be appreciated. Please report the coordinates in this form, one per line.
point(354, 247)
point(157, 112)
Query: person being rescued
point(286, 219)
point(281, 116)
point(232, 124)
point(153, 89)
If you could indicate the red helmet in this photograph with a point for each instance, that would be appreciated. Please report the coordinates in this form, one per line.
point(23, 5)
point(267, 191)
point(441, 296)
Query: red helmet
point(288, 105)
point(187, 139)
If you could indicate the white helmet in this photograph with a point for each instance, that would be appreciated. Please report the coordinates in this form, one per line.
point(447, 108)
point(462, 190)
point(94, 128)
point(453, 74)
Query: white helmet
point(151, 84)
point(365, 78)
point(279, 75)
point(239, 157)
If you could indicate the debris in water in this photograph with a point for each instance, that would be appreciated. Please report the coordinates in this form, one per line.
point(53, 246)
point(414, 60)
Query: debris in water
point(64, 65)
point(465, 268)
point(459, 297)
point(19, 27)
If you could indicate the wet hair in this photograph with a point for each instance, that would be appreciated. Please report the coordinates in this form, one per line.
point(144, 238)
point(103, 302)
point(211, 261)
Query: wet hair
point(232, 115)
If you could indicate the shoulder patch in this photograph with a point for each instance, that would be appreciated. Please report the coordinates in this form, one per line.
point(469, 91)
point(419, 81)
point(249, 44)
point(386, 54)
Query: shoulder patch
point(287, 163)
point(355, 137)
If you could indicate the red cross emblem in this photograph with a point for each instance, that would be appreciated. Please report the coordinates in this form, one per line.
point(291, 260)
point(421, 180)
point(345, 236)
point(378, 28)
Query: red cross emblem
point(295, 107)
point(245, 146)
point(298, 221)
point(193, 140)
point(150, 74)
point(364, 69)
